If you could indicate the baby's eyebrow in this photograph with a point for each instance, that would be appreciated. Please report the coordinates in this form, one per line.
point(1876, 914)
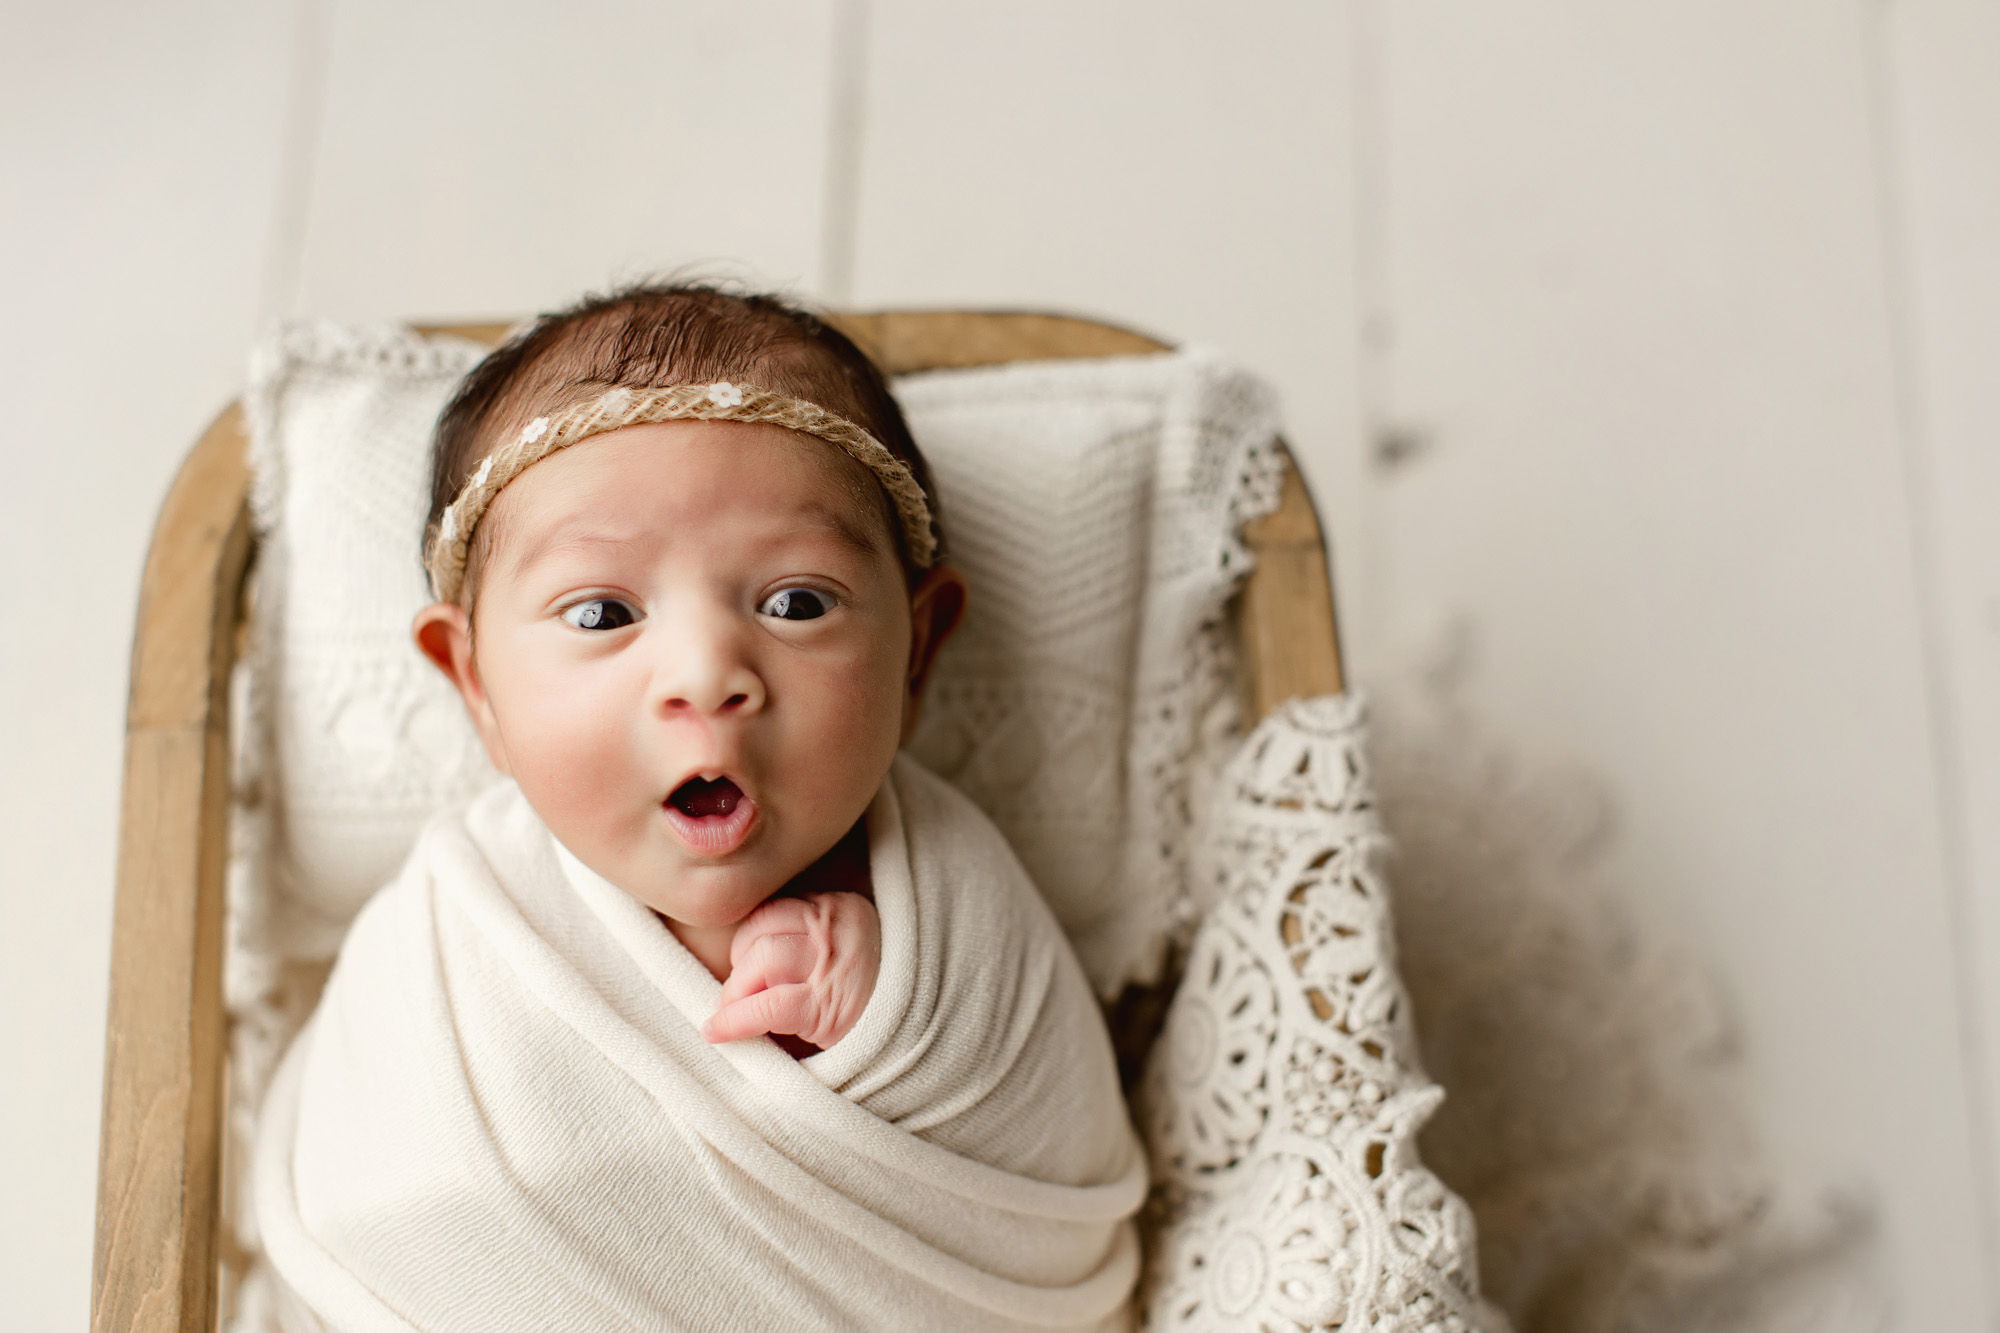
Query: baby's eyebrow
point(567, 536)
point(862, 537)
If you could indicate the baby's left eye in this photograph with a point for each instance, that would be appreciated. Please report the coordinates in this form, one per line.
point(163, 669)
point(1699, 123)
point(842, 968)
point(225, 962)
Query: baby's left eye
point(601, 613)
point(796, 604)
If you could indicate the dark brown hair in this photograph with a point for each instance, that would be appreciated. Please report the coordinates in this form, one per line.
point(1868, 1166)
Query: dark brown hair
point(656, 335)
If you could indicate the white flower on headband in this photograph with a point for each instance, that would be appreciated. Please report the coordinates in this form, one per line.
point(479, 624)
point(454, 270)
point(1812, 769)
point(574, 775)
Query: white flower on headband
point(448, 529)
point(725, 395)
point(534, 430)
point(485, 471)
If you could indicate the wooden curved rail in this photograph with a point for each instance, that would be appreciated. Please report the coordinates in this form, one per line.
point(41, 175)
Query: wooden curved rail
point(159, 1153)
point(158, 1194)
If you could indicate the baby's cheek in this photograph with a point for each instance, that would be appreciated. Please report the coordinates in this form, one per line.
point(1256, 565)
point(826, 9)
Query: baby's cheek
point(862, 709)
point(571, 756)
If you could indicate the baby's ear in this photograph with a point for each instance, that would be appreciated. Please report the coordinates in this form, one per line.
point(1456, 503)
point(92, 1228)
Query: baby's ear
point(443, 632)
point(937, 604)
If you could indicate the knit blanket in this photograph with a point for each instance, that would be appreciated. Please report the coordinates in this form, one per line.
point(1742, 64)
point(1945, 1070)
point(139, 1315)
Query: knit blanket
point(503, 1116)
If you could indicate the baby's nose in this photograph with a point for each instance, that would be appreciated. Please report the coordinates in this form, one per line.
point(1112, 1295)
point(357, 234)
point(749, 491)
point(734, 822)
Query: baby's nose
point(697, 700)
point(710, 679)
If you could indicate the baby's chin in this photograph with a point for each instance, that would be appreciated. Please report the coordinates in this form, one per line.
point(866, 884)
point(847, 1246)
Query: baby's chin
point(657, 868)
point(706, 894)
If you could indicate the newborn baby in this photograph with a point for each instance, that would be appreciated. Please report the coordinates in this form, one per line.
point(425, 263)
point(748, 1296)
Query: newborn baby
point(719, 1013)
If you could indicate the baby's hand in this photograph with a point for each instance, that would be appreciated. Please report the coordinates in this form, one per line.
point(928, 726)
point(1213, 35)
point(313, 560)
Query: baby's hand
point(803, 966)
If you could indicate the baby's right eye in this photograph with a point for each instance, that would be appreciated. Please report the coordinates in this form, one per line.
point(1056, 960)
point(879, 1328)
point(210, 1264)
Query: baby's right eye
point(600, 613)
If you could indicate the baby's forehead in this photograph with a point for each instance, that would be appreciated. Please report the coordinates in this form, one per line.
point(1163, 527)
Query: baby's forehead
point(641, 484)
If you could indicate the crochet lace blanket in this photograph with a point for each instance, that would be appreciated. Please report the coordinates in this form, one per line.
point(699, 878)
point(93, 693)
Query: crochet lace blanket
point(1281, 1104)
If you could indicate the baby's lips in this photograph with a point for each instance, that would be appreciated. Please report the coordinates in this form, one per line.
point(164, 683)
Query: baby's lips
point(715, 834)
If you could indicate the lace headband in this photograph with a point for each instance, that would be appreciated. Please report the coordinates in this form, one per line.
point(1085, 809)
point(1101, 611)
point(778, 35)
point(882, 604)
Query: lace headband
point(445, 555)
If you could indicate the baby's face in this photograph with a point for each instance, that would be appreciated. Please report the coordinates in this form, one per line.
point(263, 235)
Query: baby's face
point(692, 649)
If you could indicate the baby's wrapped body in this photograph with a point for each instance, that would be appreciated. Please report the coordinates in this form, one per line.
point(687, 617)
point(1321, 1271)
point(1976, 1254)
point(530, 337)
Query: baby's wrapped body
point(503, 1115)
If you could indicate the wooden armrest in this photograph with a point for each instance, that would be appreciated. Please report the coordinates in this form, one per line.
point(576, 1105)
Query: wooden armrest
point(160, 1150)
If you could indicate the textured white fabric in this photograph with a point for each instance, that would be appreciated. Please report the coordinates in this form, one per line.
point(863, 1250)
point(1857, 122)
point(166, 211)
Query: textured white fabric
point(1281, 1105)
point(503, 1116)
point(353, 740)
point(1095, 507)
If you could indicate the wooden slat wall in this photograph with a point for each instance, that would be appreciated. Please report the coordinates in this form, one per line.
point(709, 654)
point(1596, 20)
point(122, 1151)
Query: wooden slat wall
point(1664, 499)
point(469, 159)
point(1158, 163)
point(1939, 81)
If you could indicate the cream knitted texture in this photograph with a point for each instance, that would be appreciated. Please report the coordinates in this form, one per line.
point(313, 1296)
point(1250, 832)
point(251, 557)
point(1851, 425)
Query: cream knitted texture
point(349, 741)
point(1097, 508)
point(503, 1116)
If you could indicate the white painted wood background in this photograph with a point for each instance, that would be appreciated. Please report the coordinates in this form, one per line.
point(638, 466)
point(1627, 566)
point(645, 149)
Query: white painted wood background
point(1692, 310)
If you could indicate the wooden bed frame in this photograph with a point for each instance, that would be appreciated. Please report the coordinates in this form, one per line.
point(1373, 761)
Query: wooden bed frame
point(159, 1177)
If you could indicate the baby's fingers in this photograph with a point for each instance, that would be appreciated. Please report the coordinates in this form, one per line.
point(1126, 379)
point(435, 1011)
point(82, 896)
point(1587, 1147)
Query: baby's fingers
point(770, 960)
point(791, 1010)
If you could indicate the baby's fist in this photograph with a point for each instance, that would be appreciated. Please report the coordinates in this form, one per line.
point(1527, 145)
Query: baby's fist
point(801, 966)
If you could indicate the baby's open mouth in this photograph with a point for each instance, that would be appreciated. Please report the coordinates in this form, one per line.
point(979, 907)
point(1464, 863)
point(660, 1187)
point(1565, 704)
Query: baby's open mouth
point(711, 815)
point(699, 798)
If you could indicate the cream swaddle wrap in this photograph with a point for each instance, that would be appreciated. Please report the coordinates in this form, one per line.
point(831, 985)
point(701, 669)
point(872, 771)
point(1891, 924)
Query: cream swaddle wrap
point(503, 1115)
